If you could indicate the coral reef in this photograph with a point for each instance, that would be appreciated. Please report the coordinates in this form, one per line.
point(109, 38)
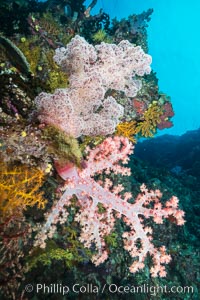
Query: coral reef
point(77, 92)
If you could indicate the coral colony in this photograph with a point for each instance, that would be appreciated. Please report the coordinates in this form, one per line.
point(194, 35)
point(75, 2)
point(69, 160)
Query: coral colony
point(83, 108)
point(93, 71)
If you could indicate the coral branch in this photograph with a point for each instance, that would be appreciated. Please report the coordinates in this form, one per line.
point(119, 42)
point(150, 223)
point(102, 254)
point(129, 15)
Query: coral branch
point(96, 225)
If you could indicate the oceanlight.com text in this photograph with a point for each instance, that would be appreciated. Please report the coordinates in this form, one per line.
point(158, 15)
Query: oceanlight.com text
point(89, 288)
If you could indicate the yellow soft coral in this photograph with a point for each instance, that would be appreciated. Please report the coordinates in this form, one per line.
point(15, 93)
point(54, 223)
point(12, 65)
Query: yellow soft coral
point(32, 52)
point(127, 129)
point(56, 77)
point(101, 36)
point(19, 187)
point(147, 127)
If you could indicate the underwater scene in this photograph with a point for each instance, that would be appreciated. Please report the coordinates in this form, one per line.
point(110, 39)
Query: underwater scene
point(99, 150)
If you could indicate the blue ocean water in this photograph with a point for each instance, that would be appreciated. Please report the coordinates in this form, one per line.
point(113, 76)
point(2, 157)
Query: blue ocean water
point(173, 37)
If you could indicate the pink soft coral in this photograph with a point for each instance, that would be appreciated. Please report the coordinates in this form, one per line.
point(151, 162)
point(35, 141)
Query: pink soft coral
point(95, 225)
point(84, 108)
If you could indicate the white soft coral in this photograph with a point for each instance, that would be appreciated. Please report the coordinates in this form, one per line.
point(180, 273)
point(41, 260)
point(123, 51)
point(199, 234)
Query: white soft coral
point(83, 108)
